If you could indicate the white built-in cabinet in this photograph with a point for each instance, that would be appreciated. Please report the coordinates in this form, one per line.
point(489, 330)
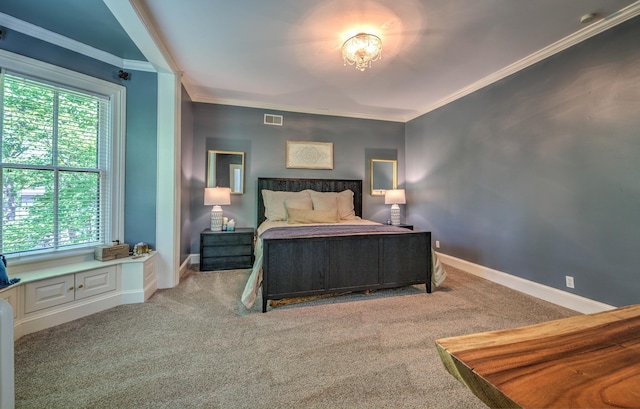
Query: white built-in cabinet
point(55, 291)
point(10, 296)
point(56, 295)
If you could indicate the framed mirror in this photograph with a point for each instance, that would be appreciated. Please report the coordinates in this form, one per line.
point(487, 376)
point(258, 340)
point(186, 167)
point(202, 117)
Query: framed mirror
point(226, 169)
point(384, 176)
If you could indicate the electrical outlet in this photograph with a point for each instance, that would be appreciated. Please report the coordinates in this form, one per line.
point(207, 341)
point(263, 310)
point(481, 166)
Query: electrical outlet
point(437, 244)
point(570, 282)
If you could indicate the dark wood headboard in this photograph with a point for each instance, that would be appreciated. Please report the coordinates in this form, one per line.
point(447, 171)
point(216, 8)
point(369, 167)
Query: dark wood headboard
point(319, 185)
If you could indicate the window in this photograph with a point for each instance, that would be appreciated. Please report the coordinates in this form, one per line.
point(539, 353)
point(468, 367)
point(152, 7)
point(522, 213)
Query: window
point(58, 165)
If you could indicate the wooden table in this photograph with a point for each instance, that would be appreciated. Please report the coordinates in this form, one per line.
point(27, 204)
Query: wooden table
point(588, 361)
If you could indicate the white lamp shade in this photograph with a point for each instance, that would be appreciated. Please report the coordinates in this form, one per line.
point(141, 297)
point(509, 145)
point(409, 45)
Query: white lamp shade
point(394, 196)
point(217, 196)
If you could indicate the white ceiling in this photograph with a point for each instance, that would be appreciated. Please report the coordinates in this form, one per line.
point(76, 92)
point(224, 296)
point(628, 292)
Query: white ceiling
point(285, 54)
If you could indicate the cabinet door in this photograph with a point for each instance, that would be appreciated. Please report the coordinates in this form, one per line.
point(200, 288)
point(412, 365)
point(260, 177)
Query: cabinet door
point(48, 293)
point(93, 282)
point(10, 296)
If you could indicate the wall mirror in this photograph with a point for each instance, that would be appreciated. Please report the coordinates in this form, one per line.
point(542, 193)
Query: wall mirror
point(384, 176)
point(226, 169)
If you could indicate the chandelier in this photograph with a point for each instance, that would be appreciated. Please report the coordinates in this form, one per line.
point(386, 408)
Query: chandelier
point(361, 49)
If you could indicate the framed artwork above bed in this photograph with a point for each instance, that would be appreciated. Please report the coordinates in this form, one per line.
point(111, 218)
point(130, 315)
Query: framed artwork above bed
point(309, 155)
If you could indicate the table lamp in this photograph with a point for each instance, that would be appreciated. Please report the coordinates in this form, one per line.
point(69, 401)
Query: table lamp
point(217, 196)
point(394, 197)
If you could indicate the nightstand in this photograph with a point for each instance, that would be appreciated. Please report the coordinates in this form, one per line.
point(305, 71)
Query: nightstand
point(406, 226)
point(226, 250)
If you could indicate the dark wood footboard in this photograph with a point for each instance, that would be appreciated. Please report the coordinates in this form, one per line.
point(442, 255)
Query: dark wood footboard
point(324, 265)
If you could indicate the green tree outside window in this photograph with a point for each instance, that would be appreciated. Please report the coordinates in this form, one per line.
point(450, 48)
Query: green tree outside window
point(53, 166)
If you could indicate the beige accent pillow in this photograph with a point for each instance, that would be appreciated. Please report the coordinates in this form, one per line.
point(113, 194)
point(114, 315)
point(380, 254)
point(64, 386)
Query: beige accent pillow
point(274, 203)
point(302, 216)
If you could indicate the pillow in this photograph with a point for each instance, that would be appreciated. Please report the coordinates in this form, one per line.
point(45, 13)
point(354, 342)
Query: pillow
point(346, 210)
point(4, 277)
point(324, 201)
point(299, 203)
point(344, 201)
point(303, 216)
point(274, 207)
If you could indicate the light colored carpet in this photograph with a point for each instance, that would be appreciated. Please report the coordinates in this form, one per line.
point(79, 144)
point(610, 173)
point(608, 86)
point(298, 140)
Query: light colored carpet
point(196, 346)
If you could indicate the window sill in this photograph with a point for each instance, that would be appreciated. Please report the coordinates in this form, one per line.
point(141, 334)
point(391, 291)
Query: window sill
point(17, 265)
point(77, 267)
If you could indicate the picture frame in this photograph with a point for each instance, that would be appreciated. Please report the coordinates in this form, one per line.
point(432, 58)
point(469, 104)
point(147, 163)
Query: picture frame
point(309, 155)
point(383, 176)
point(226, 169)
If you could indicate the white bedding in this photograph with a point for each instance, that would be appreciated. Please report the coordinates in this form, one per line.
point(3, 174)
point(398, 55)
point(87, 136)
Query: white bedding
point(255, 279)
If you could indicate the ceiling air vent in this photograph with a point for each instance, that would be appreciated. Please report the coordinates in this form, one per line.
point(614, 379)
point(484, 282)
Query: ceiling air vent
point(270, 119)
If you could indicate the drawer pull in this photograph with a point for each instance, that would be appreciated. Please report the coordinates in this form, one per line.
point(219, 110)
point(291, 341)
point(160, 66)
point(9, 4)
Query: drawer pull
point(71, 288)
point(80, 286)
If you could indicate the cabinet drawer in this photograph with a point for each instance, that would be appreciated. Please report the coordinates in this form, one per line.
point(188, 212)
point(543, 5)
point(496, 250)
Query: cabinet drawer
point(227, 239)
point(226, 251)
point(225, 263)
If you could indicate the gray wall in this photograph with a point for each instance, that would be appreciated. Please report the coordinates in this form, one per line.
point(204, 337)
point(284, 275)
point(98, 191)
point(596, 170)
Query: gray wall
point(186, 172)
point(241, 129)
point(538, 175)
point(142, 101)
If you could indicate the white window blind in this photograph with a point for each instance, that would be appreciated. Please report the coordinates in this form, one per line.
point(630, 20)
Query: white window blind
point(54, 164)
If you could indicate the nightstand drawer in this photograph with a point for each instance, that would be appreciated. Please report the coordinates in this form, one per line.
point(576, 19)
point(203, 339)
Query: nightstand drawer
point(225, 263)
point(227, 239)
point(224, 251)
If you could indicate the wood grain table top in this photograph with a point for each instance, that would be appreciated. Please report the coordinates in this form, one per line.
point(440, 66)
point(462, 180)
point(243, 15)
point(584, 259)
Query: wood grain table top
point(587, 361)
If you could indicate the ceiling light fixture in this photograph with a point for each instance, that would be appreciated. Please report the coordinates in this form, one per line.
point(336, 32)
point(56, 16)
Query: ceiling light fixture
point(361, 49)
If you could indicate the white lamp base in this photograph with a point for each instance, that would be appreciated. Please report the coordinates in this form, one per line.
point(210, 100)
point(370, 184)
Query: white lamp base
point(395, 215)
point(216, 218)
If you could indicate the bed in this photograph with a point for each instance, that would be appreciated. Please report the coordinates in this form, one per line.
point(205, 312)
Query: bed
point(312, 240)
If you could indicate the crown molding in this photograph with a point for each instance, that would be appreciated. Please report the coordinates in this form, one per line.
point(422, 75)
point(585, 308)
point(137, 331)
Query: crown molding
point(579, 36)
point(289, 108)
point(50, 37)
point(135, 19)
point(137, 65)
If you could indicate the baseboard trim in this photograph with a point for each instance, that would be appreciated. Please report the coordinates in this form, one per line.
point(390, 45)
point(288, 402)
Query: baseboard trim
point(544, 292)
point(132, 296)
point(185, 266)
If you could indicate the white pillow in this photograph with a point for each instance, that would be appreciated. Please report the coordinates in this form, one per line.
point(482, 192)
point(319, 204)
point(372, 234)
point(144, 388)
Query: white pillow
point(346, 210)
point(274, 203)
point(344, 201)
point(302, 203)
point(324, 201)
